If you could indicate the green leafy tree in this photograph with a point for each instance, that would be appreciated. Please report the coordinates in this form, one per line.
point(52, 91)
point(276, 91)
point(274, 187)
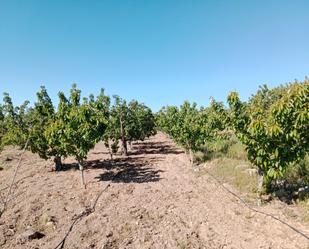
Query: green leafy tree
point(101, 107)
point(275, 133)
point(119, 115)
point(147, 122)
point(55, 133)
point(189, 130)
point(111, 134)
point(2, 126)
point(264, 98)
point(140, 122)
point(191, 127)
point(166, 120)
point(127, 123)
point(184, 125)
point(215, 121)
point(9, 121)
point(42, 117)
point(78, 126)
point(15, 122)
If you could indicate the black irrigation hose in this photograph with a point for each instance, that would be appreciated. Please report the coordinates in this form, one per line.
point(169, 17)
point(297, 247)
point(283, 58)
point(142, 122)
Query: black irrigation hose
point(15, 183)
point(255, 210)
point(13, 179)
point(86, 212)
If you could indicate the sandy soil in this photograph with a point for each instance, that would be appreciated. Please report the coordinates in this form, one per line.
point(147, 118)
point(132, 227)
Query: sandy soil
point(155, 200)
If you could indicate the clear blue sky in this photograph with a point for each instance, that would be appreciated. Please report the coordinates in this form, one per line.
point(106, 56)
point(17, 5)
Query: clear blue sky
point(156, 51)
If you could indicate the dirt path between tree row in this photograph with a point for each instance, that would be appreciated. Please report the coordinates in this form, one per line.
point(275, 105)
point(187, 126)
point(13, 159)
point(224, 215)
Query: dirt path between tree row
point(155, 200)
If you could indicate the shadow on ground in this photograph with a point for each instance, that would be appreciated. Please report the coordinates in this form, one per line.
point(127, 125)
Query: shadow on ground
point(150, 147)
point(137, 170)
point(138, 167)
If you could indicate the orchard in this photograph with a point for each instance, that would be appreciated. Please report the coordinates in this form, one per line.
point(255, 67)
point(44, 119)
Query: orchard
point(272, 125)
point(74, 128)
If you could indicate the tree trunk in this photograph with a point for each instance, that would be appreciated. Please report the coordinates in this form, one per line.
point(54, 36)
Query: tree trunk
point(58, 164)
point(260, 185)
point(191, 156)
point(123, 140)
point(81, 168)
point(130, 145)
point(110, 150)
point(124, 146)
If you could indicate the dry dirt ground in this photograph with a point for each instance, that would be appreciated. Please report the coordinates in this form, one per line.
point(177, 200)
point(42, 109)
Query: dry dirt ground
point(155, 200)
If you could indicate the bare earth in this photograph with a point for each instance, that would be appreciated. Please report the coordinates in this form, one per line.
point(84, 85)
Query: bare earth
point(155, 200)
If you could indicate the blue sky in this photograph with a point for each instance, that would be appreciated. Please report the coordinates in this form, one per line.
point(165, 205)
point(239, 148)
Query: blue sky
point(157, 51)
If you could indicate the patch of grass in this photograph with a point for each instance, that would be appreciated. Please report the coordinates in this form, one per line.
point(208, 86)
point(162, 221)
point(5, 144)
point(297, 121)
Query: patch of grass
point(199, 157)
point(45, 223)
point(221, 148)
point(182, 244)
point(126, 228)
point(237, 151)
point(228, 158)
point(236, 173)
point(215, 149)
point(298, 173)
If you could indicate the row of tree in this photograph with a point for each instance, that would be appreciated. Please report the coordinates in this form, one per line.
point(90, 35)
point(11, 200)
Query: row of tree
point(191, 127)
point(273, 125)
point(75, 126)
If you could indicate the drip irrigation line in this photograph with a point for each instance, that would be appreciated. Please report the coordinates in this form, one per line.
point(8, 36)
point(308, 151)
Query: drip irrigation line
point(13, 178)
point(15, 183)
point(85, 213)
point(255, 210)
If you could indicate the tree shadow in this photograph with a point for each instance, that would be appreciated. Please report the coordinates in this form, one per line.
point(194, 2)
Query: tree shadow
point(128, 170)
point(151, 147)
point(289, 192)
point(100, 153)
point(138, 167)
point(69, 166)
